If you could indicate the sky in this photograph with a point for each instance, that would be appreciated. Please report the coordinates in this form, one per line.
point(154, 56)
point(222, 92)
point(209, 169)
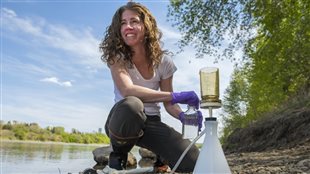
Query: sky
point(51, 71)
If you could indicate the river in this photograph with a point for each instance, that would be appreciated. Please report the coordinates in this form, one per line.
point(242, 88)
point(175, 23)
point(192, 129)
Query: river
point(46, 158)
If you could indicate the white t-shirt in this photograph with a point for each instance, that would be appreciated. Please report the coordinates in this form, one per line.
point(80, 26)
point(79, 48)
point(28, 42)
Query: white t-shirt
point(164, 70)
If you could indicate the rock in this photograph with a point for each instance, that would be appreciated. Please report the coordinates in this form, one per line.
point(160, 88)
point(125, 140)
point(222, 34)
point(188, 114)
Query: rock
point(131, 161)
point(145, 153)
point(146, 162)
point(304, 165)
point(101, 156)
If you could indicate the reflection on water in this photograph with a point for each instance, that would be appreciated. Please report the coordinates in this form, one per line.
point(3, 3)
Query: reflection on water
point(25, 157)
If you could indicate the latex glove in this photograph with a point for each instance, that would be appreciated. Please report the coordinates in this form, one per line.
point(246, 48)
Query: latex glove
point(199, 119)
point(186, 97)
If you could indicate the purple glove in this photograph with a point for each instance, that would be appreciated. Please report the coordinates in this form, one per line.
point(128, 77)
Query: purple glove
point(186, 97)
point(198, 121)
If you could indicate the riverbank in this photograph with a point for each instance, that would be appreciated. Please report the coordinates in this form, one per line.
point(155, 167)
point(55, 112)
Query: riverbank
point(278, 143)
point(295, 160)
point(15, 130)
point(289, 160)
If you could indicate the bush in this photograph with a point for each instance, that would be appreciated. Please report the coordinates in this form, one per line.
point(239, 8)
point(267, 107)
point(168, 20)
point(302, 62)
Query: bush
point(32, 131)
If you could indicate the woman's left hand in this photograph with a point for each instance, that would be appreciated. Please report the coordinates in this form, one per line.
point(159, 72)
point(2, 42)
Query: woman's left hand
point(198, 121)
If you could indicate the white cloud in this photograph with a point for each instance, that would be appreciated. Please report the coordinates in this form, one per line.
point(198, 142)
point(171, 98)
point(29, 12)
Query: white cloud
point(13, 22)
point(8, 12)
point(169, 33)
point(55, 80)
point(76, 42)
point(13, 65)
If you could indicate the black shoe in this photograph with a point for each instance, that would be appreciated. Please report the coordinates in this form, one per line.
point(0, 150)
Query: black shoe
point(158, 162)
point(117, 161)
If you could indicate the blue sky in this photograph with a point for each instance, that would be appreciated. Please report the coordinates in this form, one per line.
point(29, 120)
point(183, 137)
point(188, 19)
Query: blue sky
point(51, 70)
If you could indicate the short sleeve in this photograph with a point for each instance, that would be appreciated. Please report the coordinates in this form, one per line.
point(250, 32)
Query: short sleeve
point(167, 67)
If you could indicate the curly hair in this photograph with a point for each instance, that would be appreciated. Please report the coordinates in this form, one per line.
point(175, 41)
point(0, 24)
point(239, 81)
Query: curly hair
point(113, 45)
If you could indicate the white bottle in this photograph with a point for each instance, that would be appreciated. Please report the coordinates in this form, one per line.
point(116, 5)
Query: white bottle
point(190, 124)
point(211, 158)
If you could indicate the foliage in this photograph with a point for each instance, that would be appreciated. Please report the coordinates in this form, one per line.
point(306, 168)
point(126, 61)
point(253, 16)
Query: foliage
point(235, 102)
point(211, 25)
point(280, 53)
point(32, 131)
point(58, 130)
point(275, 37)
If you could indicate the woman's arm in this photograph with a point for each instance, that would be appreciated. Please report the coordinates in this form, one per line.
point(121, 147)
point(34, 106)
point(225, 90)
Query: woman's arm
point(172, 109)
point(126, 87)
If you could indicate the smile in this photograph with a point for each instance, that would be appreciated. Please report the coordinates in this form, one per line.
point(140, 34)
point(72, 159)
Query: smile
point(130, 35)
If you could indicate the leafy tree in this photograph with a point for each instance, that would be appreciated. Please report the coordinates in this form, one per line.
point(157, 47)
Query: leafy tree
point(275, 37)
point(76, 138)
point(34, 127)
point(235, 102)
point(75, 131)
point(211, 25)
point(1, 123)
point(58, 130)
point(20, 134)
point(280, 52)
point(7, 126)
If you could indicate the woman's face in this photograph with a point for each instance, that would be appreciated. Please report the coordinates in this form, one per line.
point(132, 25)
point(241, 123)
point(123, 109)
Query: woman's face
point(132, 28)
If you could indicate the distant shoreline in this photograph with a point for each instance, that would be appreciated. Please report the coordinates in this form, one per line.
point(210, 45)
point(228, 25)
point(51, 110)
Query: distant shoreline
point(51, 142)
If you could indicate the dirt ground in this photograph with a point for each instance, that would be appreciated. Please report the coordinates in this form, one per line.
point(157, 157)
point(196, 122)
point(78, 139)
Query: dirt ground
point(290, 160)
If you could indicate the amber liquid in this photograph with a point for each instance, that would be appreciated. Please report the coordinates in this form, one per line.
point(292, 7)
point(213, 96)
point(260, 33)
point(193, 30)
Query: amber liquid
point(209, 84)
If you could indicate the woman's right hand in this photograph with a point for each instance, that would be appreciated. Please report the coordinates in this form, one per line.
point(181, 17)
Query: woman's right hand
point(185, 97)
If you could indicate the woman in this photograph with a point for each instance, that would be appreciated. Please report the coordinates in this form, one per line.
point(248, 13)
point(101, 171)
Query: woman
point(139, 68)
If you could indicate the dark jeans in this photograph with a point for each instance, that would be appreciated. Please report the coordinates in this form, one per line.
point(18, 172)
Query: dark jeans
point(127, 125)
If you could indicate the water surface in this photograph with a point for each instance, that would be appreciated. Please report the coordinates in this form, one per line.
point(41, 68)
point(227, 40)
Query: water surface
point(49, 158)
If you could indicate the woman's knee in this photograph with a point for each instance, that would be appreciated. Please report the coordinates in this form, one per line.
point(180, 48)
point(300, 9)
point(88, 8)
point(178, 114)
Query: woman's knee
point(129, 107)
point(132, 104)
point(126, 120)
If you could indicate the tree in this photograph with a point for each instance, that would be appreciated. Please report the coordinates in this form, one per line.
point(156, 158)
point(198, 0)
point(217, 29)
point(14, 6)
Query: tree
point(58, 130)
point(275, 36)
point(235, 103)
point(280, 52)
point(211, 25)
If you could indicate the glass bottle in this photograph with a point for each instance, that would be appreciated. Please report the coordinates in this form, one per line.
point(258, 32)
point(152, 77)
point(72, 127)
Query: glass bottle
point(190, 124)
